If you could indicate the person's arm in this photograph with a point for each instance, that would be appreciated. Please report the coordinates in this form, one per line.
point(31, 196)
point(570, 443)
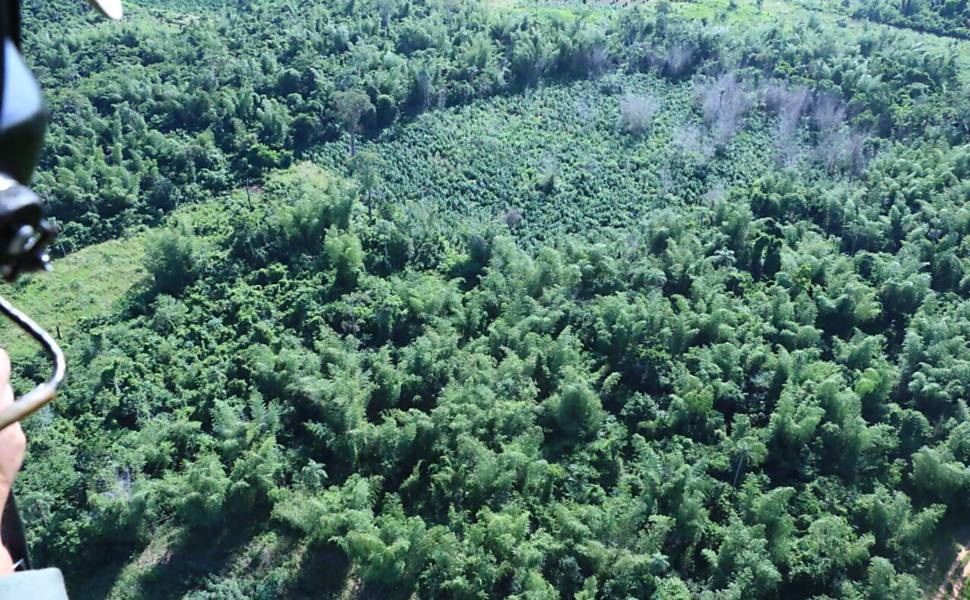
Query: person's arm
point(12, 446)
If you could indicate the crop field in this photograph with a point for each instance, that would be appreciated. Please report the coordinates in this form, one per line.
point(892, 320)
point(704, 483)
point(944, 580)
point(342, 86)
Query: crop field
point(560, 158)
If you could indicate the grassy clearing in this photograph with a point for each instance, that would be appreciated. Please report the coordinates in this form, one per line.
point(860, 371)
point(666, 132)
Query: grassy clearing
point(86, 284)
point(89, 283)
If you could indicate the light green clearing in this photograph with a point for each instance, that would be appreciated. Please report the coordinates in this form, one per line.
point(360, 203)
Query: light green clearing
point(85, 284)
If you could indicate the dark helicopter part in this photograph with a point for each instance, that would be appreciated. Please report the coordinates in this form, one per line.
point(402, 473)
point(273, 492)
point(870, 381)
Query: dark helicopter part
point(24, 233)
point(45, 392)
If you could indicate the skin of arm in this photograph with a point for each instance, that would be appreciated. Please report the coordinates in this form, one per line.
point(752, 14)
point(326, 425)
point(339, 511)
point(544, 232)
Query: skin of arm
point(13, 443)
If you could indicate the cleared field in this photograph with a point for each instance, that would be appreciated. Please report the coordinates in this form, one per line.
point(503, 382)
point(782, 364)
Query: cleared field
point(561, 158)
point(87, 285)
point(84, 285)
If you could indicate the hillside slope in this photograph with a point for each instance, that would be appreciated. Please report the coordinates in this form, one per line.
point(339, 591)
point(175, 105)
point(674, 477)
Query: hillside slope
point(514, 299)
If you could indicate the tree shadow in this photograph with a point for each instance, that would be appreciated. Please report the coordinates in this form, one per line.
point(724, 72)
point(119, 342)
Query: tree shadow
point(191, 561)
point(97, 583)
point(323, 573)
point(182, 565)
point(946, 562)
point(326, 572)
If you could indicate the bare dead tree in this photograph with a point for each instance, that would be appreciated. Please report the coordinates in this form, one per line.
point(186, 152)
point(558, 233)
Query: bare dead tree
point(512, 218)
point(637, 112)
point(597, 60)
point(689, 140)
point(828, 114)
point(789, 104)
point(678, 60)
point(723, 104)
point(838, 146)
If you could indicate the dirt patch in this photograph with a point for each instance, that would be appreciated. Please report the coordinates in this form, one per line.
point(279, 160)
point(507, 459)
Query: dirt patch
point(956, 577)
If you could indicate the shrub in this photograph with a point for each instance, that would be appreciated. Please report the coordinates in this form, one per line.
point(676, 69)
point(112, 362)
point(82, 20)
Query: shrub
point(171, 258)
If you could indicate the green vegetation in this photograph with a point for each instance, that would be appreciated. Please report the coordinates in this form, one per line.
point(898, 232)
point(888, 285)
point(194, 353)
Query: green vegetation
point(476, 300)
point(561, 158)
point(948, 18)
point(152, 123)
point(88, 284)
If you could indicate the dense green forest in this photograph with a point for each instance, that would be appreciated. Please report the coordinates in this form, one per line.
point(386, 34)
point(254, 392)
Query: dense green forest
point(951, 17)
point(521, 299)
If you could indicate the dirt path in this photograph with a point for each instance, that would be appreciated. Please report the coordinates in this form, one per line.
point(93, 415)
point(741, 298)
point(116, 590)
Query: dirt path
point(956, 577)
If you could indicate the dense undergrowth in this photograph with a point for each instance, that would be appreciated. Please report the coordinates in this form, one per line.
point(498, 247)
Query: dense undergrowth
point(531, 303)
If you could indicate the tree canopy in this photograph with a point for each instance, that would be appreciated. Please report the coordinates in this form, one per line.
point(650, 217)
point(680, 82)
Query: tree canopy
point(449, 301)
